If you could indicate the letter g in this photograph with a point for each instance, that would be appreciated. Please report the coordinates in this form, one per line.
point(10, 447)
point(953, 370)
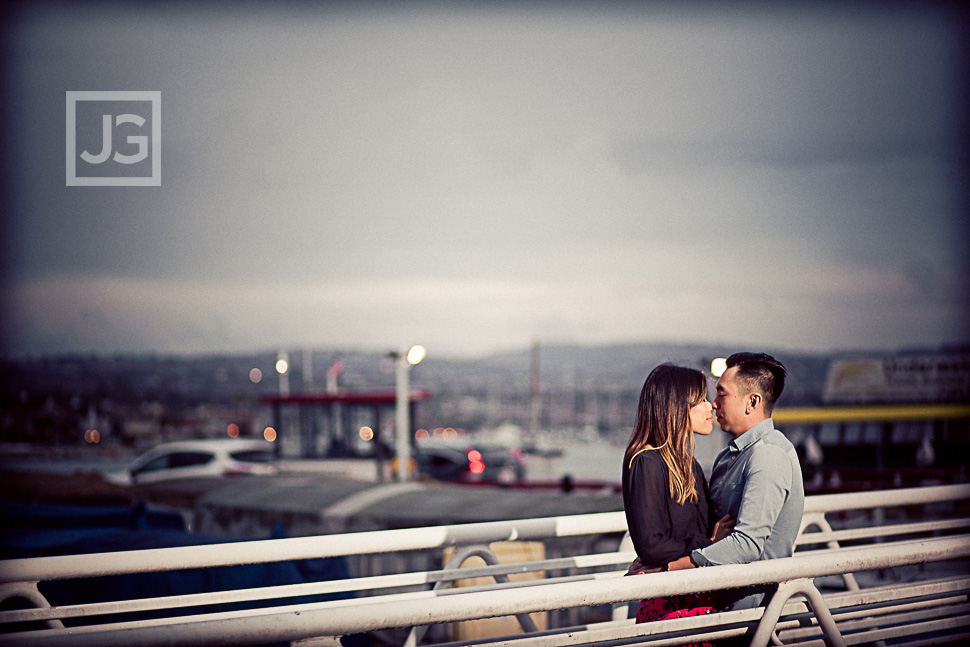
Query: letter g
point(141, 140)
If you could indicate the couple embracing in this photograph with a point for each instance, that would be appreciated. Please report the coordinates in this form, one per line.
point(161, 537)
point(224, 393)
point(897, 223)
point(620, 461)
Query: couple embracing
point(753, 507)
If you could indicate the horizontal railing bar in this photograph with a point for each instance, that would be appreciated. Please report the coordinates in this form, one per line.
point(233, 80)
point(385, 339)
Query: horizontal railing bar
point(379, 541)
point(902, 542)
point(297, 548)
point(619, 632)
point(951, 638)
point(795, 613)
point(303, 590)
point(304, 621)
point(555, 564)
point(912, 629)
point(793, 624)
point(885, 608)
point(885, 498)
point(874, 532)
point(263, 593)
point(903, 598)
point(314, 588)
point(748, 616)
point(526, 583)
point(939, 591)
point(208, 598)
point(125, 607)
point(874, 618)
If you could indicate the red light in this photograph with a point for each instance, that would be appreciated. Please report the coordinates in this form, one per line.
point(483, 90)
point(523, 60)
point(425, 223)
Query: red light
point(476, 467)
point(474, 456)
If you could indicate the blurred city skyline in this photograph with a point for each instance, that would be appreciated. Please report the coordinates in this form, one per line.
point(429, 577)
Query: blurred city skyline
point(472, 177)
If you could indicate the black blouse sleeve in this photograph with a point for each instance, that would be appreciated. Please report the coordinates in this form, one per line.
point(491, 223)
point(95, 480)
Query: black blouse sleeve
point(646, 499)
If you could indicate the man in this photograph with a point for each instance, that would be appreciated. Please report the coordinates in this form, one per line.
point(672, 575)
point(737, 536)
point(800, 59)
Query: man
point(756, 479)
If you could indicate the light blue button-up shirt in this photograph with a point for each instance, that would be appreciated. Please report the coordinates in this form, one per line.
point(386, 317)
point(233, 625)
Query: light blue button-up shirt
point(757, 480)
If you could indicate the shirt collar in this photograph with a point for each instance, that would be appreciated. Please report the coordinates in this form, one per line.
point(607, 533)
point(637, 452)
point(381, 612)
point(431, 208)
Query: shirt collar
point(751, 436)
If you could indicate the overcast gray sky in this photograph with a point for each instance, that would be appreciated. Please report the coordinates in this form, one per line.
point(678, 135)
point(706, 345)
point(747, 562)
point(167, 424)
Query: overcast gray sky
point(474, 176)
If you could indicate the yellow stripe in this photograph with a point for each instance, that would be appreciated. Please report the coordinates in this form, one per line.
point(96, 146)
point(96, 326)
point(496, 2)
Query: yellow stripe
point(881, 413)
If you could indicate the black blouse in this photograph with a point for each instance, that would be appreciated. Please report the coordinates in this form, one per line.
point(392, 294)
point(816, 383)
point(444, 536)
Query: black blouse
point(662, 529)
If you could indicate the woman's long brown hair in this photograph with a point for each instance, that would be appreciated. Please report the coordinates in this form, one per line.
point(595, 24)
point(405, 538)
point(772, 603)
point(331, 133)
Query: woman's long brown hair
point(663, 424)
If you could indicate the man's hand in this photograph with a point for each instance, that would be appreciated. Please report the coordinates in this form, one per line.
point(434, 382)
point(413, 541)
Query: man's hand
point(723, 528)
point(681, 564)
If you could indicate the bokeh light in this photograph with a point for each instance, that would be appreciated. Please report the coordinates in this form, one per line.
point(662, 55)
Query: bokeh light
point(233, 430)
point(416, 354)
point(718, 366)
point(269, 434)
point(366, 433)
point(255, 375)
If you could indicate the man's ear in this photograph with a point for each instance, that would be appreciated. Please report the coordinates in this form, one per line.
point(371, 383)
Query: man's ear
point(754, 400)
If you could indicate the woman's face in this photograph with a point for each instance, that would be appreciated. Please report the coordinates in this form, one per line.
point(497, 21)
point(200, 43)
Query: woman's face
point(701, 419)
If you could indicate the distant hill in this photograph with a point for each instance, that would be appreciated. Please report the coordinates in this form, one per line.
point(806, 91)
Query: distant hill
point(55, 399)
point(627, 365)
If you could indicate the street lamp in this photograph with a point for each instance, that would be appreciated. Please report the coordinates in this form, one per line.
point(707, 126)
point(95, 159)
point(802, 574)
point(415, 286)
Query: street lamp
point(403, 364)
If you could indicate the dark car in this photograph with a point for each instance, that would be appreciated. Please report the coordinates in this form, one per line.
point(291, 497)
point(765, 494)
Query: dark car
point(472, 463)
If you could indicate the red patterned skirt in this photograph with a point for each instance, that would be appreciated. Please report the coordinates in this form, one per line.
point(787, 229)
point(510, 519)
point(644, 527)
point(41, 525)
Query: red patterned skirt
point(676, 606)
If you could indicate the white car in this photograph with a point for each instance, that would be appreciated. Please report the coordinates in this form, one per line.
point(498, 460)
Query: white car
point(199, 458)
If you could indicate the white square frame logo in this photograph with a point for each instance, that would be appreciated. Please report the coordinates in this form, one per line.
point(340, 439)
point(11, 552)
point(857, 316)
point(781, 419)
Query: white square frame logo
point(155, 97)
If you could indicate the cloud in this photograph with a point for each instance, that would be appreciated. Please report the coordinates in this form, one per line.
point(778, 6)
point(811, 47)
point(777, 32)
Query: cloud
point(477, 177)
point(676, 302)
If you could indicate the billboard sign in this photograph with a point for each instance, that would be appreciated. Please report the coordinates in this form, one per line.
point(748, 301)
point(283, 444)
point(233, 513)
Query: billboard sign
point(909, 378)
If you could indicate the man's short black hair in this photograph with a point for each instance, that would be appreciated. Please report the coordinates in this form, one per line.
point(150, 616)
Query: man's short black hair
point(762, 373)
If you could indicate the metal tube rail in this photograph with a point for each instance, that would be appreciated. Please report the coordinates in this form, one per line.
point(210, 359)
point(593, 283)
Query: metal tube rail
point(797, 618)
point(380, 541)
point(296, 548)
point(305, 621)
point(372, 583)
point(869, 532)
point(885, 498)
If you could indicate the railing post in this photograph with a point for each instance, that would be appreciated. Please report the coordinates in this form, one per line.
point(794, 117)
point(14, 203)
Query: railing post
point(833, 637)
point(621, 611)
point(29, 592)
point(818, 520)
point(461, 554)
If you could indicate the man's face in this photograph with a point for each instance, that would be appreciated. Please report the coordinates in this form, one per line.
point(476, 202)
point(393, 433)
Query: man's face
point(729, 404)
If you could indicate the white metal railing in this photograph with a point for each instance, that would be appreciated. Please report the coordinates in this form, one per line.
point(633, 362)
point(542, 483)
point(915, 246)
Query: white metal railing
point(295, 548)
point(870, 499)
point(336, 619)
point(384, 541)
point(418, 605)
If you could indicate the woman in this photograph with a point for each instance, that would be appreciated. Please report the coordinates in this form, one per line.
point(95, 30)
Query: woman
point(665, 494)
